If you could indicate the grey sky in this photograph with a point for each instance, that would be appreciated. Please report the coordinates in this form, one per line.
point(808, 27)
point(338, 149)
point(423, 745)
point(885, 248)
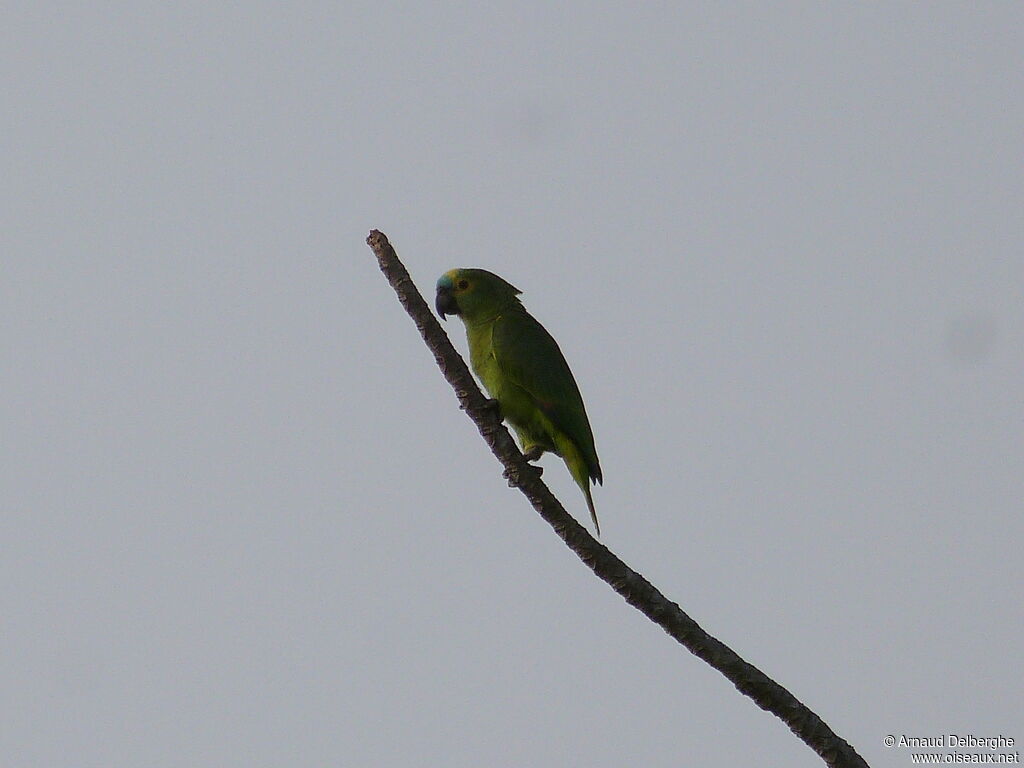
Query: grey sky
point(243, 521)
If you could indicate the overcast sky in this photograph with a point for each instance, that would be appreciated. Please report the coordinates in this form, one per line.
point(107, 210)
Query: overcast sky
point(243, 520)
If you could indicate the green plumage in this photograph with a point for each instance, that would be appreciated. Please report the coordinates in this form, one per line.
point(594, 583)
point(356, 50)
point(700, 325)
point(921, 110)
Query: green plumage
point(522, 368)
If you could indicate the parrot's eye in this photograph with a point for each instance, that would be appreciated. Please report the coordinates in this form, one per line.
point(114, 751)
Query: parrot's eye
point(462, 285)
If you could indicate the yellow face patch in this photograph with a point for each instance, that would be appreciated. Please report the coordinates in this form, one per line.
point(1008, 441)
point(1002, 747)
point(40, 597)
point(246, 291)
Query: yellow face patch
point(459, 284)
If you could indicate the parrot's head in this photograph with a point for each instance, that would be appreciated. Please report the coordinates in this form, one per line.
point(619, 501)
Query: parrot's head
point(473, 294)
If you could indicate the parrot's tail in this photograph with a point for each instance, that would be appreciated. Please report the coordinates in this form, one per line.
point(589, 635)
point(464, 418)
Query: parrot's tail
point(590, 505)
point(579, 470)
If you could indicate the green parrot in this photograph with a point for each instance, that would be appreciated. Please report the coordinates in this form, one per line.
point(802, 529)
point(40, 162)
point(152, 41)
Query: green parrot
point(522, 368)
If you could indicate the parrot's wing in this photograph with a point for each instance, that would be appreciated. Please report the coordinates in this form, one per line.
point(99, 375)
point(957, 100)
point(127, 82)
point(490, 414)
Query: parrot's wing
point(530, 358)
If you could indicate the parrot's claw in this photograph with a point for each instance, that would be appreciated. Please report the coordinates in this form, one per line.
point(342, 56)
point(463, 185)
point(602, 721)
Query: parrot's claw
point(513, 484)
point(490, 404)
point(533, 454)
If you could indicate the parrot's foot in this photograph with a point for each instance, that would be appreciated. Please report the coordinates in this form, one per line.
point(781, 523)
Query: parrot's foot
point(513, 484)
point(533, 454)
point(490, 404)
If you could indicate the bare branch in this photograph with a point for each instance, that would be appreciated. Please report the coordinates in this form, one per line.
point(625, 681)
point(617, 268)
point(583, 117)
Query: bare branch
point(636, 590)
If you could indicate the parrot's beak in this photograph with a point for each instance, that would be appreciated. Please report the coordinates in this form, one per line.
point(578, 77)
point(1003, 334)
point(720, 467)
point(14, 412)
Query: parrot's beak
point(445, 302)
